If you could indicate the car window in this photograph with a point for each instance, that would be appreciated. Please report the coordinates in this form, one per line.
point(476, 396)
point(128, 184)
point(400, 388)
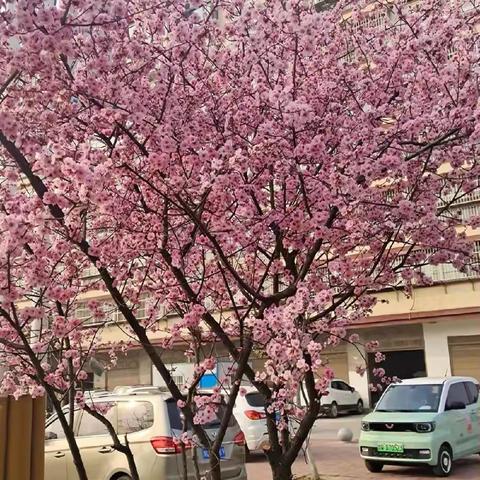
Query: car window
point(255, 399)
point(55, 426)
point(176, 417)
point(457, 393)
point(472, 392)
point(134, 416)
point(89, 425)
point(56, 429)
point(335, 386)
point(343, 386)
point(410, 398)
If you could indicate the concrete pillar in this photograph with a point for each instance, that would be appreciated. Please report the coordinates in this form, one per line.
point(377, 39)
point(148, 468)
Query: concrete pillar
point(355, 355)
point(437, 355)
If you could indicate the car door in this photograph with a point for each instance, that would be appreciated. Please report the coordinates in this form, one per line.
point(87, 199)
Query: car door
point(348, 397)
point(56, 451)
point(473, 423)
point(95, 444)
point(337, 394)
point(458, 419)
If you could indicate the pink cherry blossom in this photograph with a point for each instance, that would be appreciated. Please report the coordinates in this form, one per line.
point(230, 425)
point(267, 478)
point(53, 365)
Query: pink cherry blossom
point(250, 181)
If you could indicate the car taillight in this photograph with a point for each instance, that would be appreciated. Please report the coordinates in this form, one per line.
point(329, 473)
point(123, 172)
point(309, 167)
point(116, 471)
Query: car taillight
point(168, 445)
point(254, 415)
point(239, 439)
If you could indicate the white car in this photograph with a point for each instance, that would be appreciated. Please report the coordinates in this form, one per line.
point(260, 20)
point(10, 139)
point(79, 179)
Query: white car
point(153, 423)
point(340, 398)
point(249, 411)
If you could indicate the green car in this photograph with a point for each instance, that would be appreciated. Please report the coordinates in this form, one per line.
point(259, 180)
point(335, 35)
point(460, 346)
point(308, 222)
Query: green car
point(423, 421)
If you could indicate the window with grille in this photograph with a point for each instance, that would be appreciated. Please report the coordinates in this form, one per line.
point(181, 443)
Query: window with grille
point(86, 316)
point(82, 312)
point(179, 380)
point(139, 310)
point(463, 206)
point(375, 20)
point(445, 272)
point(90, 272)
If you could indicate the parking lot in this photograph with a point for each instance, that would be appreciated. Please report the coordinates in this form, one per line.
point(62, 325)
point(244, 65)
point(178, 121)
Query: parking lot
point(338, 460)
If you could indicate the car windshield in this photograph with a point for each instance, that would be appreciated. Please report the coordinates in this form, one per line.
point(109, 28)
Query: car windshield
point(410, 398)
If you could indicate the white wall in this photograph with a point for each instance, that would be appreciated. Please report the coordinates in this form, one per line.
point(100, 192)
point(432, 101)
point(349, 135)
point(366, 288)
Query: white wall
point(436, 335)
point(360, 383)
point(185, 369)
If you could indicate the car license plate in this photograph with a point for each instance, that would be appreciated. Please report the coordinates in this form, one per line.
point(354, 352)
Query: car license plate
point(390, 448)
point(206, 454)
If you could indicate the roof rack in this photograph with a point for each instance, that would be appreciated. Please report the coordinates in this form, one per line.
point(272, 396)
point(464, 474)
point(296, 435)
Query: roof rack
point(138, 390)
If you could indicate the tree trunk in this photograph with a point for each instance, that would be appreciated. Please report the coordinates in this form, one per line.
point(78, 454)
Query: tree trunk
point(195, 463)
point(282, 472)
point(215, 470)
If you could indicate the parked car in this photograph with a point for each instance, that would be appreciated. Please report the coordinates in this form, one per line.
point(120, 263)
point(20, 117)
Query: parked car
point(340, 398)
point(153, 424)
point(250, 414)
point(423, 421)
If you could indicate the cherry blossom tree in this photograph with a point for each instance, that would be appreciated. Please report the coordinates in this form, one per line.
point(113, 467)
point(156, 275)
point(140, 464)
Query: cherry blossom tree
point(259, 168)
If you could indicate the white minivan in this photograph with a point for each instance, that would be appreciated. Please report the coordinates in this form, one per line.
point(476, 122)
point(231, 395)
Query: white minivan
point(153, 424)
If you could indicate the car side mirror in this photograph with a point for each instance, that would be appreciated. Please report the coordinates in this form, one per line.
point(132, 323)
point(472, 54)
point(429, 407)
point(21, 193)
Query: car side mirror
point(352, 389)
point(50, 436)
point(456, 406)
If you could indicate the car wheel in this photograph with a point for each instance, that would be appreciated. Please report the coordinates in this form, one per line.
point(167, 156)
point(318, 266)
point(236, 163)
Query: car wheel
point(374, 467)
point(443, 468)
point(359, 407)
point(333, 410)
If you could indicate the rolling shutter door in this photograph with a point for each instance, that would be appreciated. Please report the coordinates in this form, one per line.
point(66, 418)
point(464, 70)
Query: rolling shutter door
point(465, 355)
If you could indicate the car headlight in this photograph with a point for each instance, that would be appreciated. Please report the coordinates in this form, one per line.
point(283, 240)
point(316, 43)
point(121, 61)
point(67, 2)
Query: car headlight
point(365, 426)
point(425, 427)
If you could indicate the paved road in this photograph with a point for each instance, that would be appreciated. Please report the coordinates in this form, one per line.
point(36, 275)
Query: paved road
point(337, 460)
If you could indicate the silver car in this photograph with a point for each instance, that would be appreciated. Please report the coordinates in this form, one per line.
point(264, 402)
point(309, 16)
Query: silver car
point(153, 425)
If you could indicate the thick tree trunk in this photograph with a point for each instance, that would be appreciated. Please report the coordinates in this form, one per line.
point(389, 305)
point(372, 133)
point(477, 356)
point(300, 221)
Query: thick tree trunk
point(215, 470)
point(281, 472)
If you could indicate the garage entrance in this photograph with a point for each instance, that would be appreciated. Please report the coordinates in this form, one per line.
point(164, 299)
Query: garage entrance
point(402, 364)
point(465, 355)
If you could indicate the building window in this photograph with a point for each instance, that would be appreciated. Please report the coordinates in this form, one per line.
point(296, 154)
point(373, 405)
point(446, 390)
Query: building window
point(88, 317)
